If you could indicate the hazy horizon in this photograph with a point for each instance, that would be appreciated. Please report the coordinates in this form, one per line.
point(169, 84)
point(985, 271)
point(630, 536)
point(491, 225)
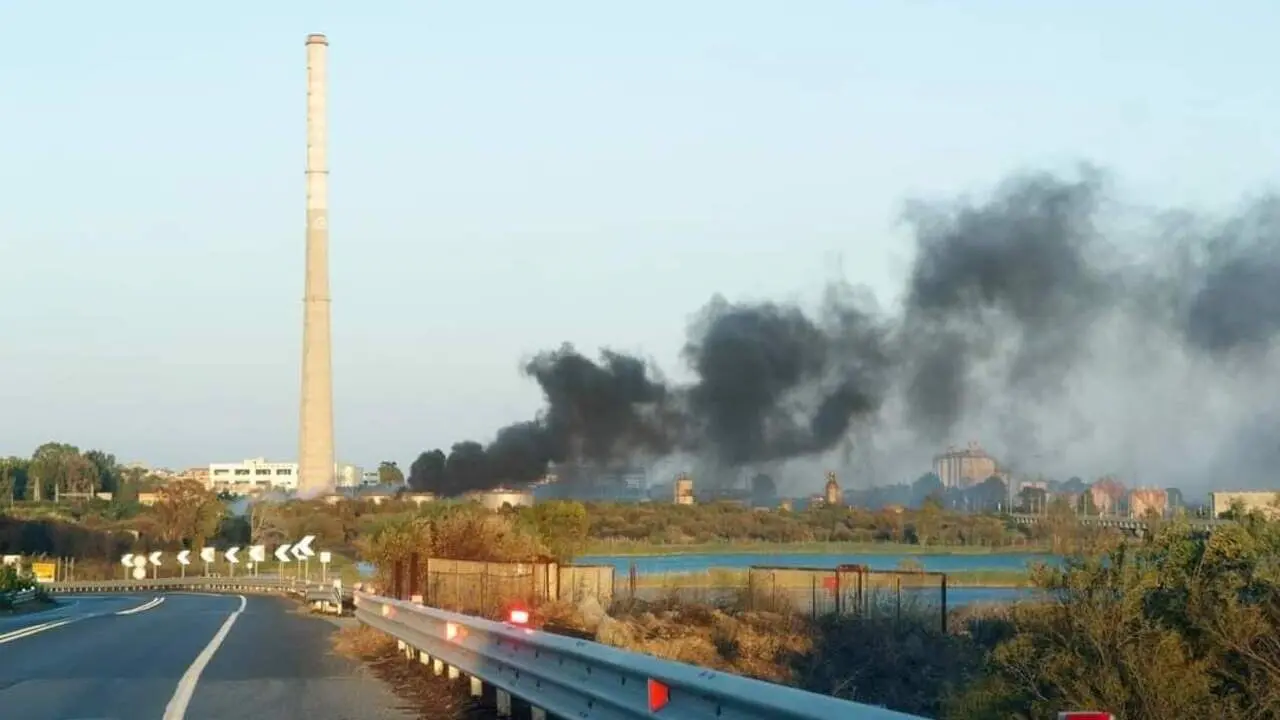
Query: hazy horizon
point(503, 182)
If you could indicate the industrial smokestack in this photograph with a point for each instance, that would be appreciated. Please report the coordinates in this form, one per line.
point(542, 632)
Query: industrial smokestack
point(316, 467)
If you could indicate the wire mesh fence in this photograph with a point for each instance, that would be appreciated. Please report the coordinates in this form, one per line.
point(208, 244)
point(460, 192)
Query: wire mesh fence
point(490, 589)
point(848, 590)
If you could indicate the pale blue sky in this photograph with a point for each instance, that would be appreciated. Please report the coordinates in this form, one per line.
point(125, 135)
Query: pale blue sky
point(509, 175)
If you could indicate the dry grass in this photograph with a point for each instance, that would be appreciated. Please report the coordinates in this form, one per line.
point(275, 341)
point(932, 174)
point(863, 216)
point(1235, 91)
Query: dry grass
point(756, 644)
point(905, 664)
point(361, 642)
point(433, 698)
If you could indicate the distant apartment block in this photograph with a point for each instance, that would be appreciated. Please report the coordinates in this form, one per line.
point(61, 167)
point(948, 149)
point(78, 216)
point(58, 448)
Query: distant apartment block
point(199, 474)
point(1148, 501)
point(1108, 495)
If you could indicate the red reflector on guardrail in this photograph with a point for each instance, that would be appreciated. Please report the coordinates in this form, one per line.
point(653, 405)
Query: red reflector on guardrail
point(659, 695)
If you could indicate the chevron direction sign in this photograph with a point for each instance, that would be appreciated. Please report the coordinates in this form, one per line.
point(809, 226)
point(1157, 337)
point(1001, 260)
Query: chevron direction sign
point(302, 549)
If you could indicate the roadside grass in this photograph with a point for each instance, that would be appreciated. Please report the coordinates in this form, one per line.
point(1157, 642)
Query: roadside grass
point(431, 697)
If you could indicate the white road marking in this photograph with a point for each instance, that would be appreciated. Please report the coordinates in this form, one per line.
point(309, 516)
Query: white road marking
point(32, 630)
point(177, 707)
point(143, 607)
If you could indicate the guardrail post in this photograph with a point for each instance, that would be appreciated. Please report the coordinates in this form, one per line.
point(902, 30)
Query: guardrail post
point(502, 699)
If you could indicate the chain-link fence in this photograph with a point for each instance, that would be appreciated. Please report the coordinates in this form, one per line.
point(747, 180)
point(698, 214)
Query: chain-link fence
point(848, 589)
point(490, 589)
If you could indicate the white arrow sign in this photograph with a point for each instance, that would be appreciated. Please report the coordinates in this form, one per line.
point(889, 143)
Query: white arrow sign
point(258, 553)
point(302, 549)
point(155, 557)
point(127, 560)
point(207, 554)
point(183, 557)
point(231, 555)
point(282, 553)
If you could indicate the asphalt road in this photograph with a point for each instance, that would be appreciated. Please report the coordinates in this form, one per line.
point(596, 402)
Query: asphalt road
point(202, 657)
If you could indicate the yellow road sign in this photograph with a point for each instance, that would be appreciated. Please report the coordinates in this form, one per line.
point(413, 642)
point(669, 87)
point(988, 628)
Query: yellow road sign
point(45, 572)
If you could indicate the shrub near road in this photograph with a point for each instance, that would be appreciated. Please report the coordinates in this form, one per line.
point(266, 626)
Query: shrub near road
point(1185, 626)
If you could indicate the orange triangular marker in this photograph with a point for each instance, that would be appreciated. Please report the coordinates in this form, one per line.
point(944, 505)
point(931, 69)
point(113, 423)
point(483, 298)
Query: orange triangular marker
point(659, 695)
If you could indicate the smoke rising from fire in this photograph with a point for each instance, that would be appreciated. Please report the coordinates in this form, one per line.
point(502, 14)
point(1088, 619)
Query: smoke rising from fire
point(1035, 320)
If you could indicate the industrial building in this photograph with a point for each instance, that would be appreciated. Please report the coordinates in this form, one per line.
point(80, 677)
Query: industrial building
point(594, 483)
point(683, 490)
point(831, 493)
point(498, 498)
point(966, 467)
point(256, 475)
point(1266, 502)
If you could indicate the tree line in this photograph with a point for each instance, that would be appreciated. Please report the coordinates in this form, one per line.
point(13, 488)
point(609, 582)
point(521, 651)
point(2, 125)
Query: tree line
point(929, 525)
point(56, 469)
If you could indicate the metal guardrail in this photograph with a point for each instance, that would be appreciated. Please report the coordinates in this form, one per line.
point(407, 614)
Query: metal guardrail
point(567, 677)
point(18, 597)
point(206, 584)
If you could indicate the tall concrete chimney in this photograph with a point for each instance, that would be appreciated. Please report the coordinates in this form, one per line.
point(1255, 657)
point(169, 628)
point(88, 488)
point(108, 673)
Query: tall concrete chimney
point(316, 468)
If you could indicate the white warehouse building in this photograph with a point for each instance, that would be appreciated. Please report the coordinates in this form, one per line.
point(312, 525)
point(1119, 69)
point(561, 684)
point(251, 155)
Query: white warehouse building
point(257, 475)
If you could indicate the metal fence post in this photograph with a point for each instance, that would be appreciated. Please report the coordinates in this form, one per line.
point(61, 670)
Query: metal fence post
point(413, 575)
point(397, 589)
point(898, 600)
point(944, 603)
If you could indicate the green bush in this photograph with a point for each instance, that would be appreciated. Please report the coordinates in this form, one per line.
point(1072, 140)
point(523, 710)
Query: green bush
point(14, 580)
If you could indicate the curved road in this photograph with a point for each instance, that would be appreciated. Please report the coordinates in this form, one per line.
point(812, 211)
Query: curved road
point(181, 655)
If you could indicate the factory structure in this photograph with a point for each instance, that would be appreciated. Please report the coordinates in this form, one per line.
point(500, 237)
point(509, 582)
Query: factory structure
point(966, 467)
point(316, 470)
point(255, 476)
point(594, 482)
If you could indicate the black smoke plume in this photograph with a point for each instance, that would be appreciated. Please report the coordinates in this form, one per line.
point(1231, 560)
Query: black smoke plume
point(772, 384)
point(1042, 318)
